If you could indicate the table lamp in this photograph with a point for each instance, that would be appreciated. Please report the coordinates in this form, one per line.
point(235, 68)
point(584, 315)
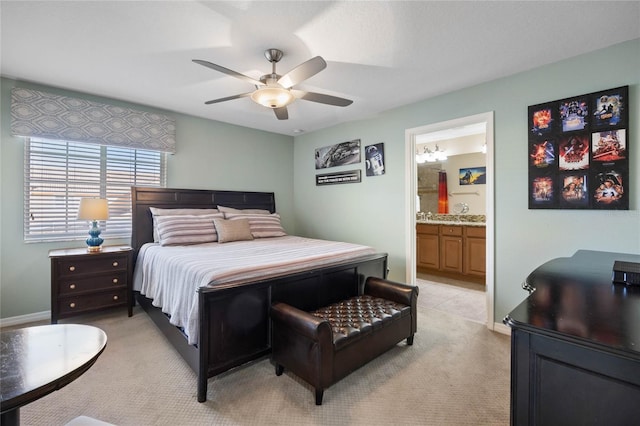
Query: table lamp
point(93, 209)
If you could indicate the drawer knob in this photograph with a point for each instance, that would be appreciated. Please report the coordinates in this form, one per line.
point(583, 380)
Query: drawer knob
point(72, 286)
point(72, 305)
point(115, 264)
point(115, 297)
point(115, 281)
point(72, 268)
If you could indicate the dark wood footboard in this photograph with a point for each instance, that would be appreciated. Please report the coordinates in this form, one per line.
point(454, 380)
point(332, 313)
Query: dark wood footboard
point(234, 322)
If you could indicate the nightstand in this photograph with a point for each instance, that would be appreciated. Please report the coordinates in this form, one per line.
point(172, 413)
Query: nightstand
point(83, 282)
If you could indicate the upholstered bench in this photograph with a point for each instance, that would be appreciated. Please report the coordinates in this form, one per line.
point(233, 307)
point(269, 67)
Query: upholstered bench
point(325, 345)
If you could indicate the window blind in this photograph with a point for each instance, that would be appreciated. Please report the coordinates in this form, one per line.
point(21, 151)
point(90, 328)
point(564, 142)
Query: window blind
point(59, 173)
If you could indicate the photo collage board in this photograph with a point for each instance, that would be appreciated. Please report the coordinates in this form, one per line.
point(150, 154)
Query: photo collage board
point(579, 152)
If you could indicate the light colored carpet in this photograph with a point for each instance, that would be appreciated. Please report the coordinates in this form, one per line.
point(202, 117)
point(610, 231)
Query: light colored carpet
point(456, 373)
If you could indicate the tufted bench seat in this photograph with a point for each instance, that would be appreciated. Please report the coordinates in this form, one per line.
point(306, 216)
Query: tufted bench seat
point(325, 345)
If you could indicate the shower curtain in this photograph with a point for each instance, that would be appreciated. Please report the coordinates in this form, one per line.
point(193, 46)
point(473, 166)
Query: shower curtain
point(443, 196)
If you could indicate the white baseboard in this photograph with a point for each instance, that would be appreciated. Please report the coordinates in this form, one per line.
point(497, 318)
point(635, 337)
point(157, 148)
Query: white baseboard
point(501, 328)
point(25, 319)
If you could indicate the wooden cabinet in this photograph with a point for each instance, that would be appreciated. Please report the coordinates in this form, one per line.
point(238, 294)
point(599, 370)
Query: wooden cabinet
point(457, 251)
point(427, 246)
point(475, 258)
point(451, 248)
point(575, 358)
point(83, 282)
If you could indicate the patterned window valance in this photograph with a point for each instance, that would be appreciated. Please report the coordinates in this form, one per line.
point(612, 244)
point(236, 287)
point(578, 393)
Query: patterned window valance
point(39, 114)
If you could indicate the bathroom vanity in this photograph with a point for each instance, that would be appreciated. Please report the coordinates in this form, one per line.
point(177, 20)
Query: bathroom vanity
point(452, 246)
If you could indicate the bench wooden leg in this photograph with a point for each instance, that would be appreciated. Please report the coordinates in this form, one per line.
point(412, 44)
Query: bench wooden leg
point(410, 340)
point(319, 394)
point(279, 369)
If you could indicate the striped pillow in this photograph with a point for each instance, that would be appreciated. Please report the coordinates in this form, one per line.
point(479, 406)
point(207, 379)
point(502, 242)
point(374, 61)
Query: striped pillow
point(224, 209)
point(187, 229)
point(155, 212)
point(262, 225)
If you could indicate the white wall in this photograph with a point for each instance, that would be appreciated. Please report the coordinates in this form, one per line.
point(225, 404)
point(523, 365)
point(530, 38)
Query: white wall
point(373, 212)
point(210, 155)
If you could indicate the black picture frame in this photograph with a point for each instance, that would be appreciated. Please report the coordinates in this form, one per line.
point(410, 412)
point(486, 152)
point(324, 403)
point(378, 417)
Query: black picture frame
point(578, 156)
point(348, 176)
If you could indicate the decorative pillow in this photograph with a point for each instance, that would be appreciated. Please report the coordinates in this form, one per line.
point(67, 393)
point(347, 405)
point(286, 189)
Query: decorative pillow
point(187, 229)
point(155, 211)
point(232, 230)
point(262, 225)
point(224, 209)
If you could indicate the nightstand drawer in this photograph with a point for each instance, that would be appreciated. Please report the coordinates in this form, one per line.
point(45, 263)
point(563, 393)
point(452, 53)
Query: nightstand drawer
point(110, 280)
point(91, 265)
point(90, 302)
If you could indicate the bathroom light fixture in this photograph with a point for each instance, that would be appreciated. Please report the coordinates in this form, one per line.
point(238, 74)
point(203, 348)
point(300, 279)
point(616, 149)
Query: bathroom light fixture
point(431, 156)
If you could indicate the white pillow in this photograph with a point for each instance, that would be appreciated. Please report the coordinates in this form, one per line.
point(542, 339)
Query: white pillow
point(262, 225)
point(155, 211)
point(187, 229)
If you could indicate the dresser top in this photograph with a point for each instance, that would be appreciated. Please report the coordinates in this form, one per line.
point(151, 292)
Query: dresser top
point(576, 298)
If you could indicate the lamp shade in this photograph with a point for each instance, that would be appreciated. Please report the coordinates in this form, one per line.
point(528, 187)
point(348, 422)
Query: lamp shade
point(93, 209)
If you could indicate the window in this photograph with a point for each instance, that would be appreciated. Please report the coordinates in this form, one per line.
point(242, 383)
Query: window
point(59, 173)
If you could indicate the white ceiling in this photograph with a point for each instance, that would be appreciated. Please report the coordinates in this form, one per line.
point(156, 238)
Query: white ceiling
point(381, 55)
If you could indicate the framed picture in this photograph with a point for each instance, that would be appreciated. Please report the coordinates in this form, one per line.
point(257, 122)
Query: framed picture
point(338, 155)
point(349, 176)
point(374, 159)
point(578, 156)
point(473, 176)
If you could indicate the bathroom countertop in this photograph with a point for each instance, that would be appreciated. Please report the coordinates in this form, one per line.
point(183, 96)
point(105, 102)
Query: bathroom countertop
point(451, 222)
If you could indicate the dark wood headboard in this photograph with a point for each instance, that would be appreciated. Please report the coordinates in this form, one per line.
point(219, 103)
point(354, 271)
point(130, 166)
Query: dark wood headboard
point(167, 198)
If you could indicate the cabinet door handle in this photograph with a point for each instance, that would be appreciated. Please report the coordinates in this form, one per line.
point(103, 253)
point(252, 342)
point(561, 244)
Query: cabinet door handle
point(115, 297)
point(72, 305)
point(115, 264)
point(115, 281)
point(72, 286)
point(72, 268)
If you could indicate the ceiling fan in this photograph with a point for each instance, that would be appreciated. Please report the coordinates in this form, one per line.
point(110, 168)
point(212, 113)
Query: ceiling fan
point(276, 91)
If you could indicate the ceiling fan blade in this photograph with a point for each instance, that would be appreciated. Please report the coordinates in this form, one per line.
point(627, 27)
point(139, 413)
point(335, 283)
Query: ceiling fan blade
point(229, 98)
point(281, 113)
point(302, 72)
point(228, 72)
point(321, 98)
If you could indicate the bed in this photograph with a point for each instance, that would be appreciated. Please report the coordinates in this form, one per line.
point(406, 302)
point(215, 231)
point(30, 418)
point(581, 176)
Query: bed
point(231, 325)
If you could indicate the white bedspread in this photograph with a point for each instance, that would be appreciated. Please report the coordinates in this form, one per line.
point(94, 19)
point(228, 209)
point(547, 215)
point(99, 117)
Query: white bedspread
point(171, 276)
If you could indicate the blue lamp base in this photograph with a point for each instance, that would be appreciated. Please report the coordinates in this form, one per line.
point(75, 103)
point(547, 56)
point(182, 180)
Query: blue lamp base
point(94, 242)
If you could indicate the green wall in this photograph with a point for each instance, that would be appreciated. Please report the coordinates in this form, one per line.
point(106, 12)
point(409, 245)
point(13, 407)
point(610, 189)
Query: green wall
point(373, 212)
point(210, 155)
point(217, 155)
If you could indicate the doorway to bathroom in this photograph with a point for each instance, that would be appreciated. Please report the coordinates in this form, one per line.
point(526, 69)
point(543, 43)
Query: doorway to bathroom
point(450, 248)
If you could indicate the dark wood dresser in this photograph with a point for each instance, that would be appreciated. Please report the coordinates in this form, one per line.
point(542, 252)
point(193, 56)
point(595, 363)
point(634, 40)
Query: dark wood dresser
point(83, 282)
point(575, 345)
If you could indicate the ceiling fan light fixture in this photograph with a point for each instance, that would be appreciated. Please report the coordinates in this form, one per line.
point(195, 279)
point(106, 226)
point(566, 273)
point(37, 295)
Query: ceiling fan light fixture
point(272, 97)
